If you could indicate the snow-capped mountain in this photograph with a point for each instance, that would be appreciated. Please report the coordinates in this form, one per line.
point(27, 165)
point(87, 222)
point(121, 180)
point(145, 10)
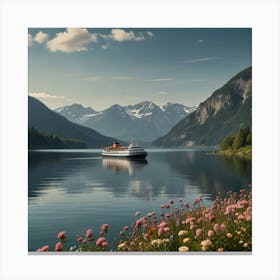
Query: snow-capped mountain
point(144, 121)
point(76, 113)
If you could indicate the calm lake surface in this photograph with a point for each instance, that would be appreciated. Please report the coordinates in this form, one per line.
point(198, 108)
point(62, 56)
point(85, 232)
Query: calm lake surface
point(73, 190)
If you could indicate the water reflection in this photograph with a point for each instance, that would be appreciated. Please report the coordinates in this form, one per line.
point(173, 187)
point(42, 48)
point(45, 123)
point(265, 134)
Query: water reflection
point(74, 191)
point(168, 174)
point(243, 166)
point(124, 164)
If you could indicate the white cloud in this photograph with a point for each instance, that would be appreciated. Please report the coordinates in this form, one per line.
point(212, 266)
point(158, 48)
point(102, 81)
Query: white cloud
point(140, 37)
point(92, 78)
point(201, 59)
point(30, 40)
point(71, 40)
point(121, 35)
point(44, 95)
point(41, 37)
point(150, 34)
point(105, 47)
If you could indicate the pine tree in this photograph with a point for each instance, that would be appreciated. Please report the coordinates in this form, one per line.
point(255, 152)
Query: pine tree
point(249, 139)
point(227, 143)
point(240, 139)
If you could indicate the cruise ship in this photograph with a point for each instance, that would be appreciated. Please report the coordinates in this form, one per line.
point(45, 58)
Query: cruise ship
point(131, 151)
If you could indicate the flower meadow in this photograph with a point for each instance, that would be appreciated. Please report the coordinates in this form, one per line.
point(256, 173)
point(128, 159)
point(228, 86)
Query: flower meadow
point(181, 227)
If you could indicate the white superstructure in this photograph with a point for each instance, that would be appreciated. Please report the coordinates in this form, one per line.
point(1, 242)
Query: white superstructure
point(130, 151)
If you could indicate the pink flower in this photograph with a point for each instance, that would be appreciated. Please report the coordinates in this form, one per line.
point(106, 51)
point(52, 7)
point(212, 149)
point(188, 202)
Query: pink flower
point(160, 231)
point(240, 217)
point(105, 227)
point(121, 233)
point(192, 227)
point(100, 240)
point(126, 228)
point(104, 244)
point(43, 249)
point(137, 213)
point(223, 228)
point(210, 233)
point(217, 228)
point(207, 215)
point(243, 202)
point(79, 239)
point(58, 246)
point(138, 223)
point(211, 218)
point(171, 201)
point(187, 205)
point(61, 235)
point(198, 232)
point(166, 229)
point(146, 236)
point(248, 216)
point(89, 233)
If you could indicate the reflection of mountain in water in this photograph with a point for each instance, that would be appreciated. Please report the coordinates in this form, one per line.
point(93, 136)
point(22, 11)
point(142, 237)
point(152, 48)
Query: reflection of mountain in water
point(213, 173)
point(124, 164)
point(59, 170)
point(168, 174)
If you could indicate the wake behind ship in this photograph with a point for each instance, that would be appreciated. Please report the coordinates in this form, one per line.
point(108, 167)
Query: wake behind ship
point(131, 151)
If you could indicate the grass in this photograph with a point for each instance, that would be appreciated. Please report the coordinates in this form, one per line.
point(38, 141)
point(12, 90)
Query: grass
point(245, 152)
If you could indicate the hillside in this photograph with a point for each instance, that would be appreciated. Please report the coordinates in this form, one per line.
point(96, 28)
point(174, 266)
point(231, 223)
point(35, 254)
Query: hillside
point(37, 140)
point(46, 121)
point(224, 112)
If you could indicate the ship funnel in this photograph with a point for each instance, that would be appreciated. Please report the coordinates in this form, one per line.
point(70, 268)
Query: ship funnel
point(116, 145)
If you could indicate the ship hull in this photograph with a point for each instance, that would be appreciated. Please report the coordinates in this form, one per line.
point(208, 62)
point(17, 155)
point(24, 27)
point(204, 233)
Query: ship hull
point(123, 155)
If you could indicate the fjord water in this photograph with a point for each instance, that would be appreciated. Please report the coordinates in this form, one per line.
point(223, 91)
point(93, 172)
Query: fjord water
point(73, 190)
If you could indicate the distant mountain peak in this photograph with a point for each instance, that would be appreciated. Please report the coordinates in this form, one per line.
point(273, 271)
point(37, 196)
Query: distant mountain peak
point(144, 120)
point(76, 112)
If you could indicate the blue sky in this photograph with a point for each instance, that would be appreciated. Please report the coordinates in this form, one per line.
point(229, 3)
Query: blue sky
point(99, 67)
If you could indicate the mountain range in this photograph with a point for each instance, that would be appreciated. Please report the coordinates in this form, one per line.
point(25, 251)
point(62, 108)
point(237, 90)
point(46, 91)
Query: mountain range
point(227, 110)
point(43, 119)
point(144, 121)
point(172, 125)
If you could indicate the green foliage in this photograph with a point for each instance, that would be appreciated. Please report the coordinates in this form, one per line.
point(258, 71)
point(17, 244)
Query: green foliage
point(249, 139)
point(38, 140)
point(241, 144)
point(241, 138)
point(227, 143)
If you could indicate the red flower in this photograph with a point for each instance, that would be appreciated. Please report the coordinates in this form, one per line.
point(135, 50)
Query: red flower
point(61, 235)
point(89, 233)
point(105, 227)
point(58, 246)
point(43, 249)
point(100, 241)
